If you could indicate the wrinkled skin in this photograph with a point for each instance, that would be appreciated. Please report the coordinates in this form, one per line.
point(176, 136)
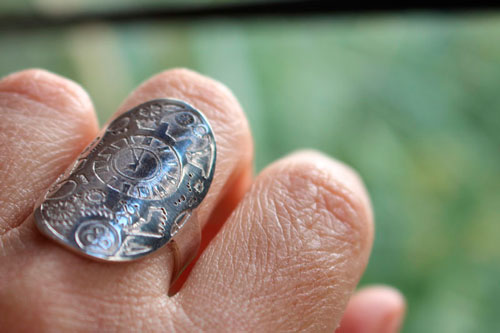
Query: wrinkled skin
point(282, 251)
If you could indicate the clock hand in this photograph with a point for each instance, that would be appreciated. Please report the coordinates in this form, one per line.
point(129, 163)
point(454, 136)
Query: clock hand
point(136, 160)
point(139, 159)
point(140, 156)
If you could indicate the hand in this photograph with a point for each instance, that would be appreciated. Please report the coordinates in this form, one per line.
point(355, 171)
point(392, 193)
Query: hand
point(281, 252)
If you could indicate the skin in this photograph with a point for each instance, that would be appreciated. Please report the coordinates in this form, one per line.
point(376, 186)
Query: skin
point(281, 251)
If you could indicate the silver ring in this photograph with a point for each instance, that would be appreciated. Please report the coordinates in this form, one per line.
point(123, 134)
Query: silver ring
point(136, 187)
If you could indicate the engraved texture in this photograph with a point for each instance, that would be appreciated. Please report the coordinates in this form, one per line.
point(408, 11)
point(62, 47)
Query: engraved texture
point(135, 186)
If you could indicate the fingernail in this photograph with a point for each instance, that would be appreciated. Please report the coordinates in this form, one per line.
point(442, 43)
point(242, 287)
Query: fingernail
point(392, 323)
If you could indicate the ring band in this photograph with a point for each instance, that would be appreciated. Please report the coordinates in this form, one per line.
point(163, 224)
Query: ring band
point(136, 187)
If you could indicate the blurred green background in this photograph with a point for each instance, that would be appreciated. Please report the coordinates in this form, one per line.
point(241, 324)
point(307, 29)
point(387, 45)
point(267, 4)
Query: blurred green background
point(412, 101)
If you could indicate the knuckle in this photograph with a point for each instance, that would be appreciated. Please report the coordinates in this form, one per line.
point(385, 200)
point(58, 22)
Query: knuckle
point(218, 104)
point(323, 211)
point(23, 76)
point(44, 87)
point(45, 121)
point(210, 96)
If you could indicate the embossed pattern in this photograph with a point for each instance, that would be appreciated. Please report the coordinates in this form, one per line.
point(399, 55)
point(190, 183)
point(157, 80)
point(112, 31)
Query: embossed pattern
point(134, 187)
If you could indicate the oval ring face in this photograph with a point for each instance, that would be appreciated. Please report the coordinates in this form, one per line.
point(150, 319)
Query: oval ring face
point(124, 196)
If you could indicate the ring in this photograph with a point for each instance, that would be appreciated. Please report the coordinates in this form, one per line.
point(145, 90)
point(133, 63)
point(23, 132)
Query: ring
point(136, 187)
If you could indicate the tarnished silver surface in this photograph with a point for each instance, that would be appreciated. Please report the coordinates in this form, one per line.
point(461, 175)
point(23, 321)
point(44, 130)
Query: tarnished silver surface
point(135, 187)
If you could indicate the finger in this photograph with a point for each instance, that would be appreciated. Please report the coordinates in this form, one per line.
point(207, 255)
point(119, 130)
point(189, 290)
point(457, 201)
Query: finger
point(45, 121)
point(233, 171)
point(378, 309)
point(289, 256)
point(229, 124)
point(95, 296)
point(227, 203)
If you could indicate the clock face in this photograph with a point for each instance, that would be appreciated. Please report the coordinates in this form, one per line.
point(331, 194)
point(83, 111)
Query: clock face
point(142, 167)
point(137, 163)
